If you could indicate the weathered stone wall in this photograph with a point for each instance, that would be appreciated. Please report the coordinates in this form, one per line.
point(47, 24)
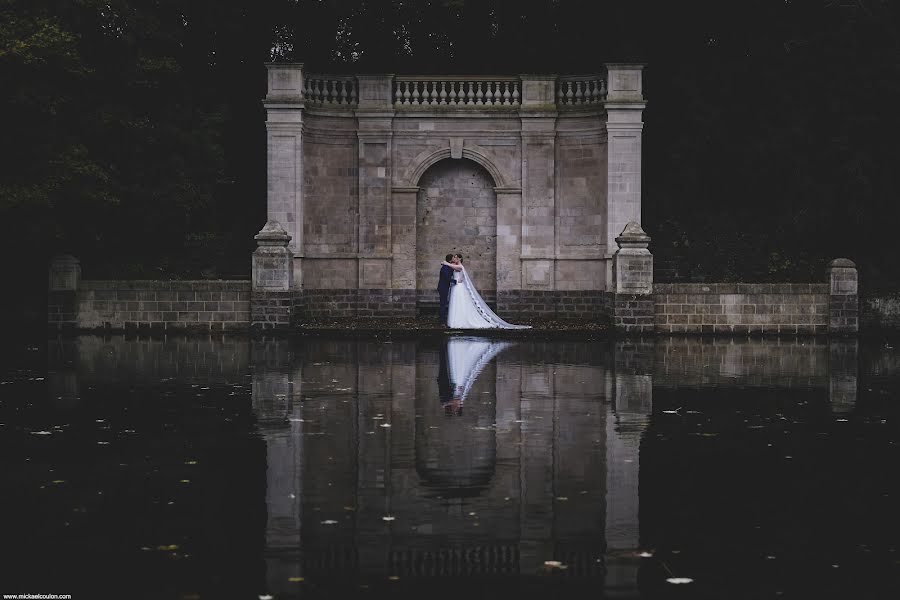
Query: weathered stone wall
point(728, 308)
point(331, 179)
point(456, 213)
point(161, 305)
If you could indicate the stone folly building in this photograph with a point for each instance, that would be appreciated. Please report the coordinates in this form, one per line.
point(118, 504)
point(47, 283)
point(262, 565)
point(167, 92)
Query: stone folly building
point(372, 179)
point(535, 179)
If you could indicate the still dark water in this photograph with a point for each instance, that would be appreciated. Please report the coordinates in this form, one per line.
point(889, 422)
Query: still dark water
point(456, 467)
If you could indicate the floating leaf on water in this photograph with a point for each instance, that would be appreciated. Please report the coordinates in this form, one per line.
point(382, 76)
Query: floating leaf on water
point(169, 548)
point(295, 579)
point(562, 498)
point(679, 580)
point(387, 518)
point(393, 578)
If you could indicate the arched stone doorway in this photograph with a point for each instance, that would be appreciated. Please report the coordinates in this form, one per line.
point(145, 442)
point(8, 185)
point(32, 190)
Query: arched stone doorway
point(456, 211)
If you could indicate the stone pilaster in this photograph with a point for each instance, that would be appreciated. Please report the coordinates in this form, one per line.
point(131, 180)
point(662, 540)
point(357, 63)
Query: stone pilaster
point(632, 306)
point(374, 116)
point(62, 298)
point(843, 304)
point(538, 215)
point(284, 106)
point(624, 113)
point(272, 279)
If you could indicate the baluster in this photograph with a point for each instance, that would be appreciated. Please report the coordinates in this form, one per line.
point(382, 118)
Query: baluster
point(489, 93)
point(470, 95)
point(434, 93)
point(515, 94)
point(327, 87)
point(415, 94)
point(602, 88)
point(579, 95)
point(304, 83)
point(344, 92)
point(506, 94)
point(452, 98)
point(316, 92)
point(569, 93)
point(594, 94)
point(407, 95)
point(479, 95)
point(352, 92)
point(443, 94)
point(398, 94)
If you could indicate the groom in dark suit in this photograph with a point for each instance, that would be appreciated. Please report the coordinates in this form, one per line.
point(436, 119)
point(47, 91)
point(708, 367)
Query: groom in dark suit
point(444, 282)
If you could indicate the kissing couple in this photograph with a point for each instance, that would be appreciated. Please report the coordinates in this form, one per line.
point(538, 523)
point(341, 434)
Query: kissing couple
point(462, 307)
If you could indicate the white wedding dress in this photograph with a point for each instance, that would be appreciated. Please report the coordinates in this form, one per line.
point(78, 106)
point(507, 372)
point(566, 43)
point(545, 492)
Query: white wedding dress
point(469, 311)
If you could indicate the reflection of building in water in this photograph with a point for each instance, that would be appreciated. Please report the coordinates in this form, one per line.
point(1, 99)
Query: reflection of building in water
point(517, 479)
point(541, 465)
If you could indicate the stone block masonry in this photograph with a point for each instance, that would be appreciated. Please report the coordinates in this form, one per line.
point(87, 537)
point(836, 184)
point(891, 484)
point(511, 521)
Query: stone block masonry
point(158, 305)
point(742, 308)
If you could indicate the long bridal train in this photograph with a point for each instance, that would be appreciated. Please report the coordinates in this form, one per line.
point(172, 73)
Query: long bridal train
point(468, 309)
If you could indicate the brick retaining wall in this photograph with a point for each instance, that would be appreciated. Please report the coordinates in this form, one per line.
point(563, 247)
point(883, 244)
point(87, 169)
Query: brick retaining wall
point(739, 308)
point(205, 305)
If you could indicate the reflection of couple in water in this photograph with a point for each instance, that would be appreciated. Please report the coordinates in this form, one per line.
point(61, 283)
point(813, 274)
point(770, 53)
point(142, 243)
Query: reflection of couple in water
point(460, 362)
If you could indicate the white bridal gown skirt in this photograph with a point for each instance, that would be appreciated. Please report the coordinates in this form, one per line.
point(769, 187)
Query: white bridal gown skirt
point(469, 311)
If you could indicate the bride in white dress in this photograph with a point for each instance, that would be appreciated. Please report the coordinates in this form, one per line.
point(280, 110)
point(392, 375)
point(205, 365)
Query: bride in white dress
point(467, 308)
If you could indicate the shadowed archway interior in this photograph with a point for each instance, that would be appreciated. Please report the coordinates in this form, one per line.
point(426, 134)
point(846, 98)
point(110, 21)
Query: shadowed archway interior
point(456, 211)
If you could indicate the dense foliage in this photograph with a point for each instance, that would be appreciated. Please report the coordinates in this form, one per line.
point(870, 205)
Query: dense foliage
point(133, 133)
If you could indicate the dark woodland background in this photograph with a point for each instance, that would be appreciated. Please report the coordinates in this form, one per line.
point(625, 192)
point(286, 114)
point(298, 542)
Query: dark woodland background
point(133, 132)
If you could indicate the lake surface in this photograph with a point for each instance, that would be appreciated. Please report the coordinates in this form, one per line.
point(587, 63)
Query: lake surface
point(448, 466)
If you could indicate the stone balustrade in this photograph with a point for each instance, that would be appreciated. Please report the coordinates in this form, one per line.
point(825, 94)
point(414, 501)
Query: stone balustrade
point(457, 91)
point(330, 90)
point(460, 91)
point(580, 90)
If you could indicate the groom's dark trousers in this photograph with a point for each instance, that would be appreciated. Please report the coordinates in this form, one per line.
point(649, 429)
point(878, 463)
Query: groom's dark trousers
point(443, 288)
